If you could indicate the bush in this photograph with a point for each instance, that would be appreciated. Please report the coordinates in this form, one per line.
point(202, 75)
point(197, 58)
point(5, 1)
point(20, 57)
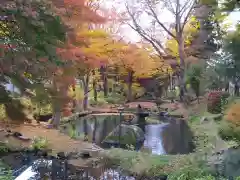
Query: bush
point(216, 101)
point(114, 98)
point(233, 114)
point(100, 102)
point(229, 132)
point(39, 143)
point(230, 128)
point(2, 112)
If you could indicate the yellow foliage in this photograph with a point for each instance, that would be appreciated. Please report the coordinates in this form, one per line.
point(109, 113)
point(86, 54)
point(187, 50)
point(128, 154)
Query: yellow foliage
point(133, 58)
point(78, 94)
point(3, 31)
point(190, 29)
point(233, 114)
point(97, 33)
point(2, 112)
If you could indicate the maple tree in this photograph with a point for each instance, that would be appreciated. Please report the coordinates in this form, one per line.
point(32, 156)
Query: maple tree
point(63, 47)
point(26, 49)
point(34, 55)
point(135, 62)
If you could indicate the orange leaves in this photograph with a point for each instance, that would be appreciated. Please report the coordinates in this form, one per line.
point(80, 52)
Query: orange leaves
point(233, 114)
point(136, 59)
point(70, 53)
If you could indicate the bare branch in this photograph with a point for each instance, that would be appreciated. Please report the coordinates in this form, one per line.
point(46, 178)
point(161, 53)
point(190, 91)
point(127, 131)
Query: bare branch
point(143, 34)
point(150, 40)
point(188, 13)
point(158, 21)
point(184, 8)
point(168, 4)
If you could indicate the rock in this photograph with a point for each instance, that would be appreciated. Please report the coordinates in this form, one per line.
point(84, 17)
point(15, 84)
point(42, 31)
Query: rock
point(176, 115)
point(203, 119)
point(218, 117)
point(130, 134)
point(85, 154)
point(227, 162)
point(163, 113)
point(61, 155)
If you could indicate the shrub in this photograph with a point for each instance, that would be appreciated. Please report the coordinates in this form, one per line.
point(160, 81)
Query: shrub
point(39, 143)
point(2, 112)
point(229, 132)
point(114, 98)
point(216, 101)
point(230, 128)
point(233, 114)
point(100, 102)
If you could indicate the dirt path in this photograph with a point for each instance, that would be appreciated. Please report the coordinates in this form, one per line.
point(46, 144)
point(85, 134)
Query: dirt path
point(57, 141)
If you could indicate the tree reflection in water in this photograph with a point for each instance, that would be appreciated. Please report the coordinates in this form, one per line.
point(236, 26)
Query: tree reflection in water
point(59, 170)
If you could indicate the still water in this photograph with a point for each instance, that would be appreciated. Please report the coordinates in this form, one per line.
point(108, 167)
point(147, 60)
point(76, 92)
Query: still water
point(173, 137)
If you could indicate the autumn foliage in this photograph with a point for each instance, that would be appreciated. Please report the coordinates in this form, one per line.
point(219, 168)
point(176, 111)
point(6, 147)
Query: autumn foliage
point(216, 101)
point(229, 129)
point(68, 43)
point(233, 114)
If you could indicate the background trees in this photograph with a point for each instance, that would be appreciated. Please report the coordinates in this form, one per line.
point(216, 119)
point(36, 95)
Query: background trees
point(181, 12)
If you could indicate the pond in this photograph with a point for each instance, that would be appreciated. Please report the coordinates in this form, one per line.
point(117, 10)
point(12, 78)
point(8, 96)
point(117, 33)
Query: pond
point(29, 166)
point(171, 137)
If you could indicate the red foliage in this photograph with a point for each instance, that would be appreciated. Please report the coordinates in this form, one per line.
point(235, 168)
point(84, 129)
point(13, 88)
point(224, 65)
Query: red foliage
point(214, 101)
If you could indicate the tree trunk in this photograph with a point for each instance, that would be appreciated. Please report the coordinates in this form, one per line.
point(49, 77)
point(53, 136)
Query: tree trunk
point(56, 117)
point(115, 84)
point(182, 66)
point(56, 106)
point(105, 81)
point(130, 81)
point(74, 107)
point(236, 89)
point(94, 83)
point(86, 91)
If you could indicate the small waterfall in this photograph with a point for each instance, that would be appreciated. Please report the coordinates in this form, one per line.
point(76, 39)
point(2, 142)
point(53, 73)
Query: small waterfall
point(153, 138)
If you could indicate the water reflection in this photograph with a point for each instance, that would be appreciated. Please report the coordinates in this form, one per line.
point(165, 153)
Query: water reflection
point(57, 170)
point(173, 137)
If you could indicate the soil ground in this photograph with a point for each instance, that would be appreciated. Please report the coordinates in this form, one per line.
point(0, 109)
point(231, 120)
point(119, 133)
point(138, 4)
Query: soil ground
point(57, 141)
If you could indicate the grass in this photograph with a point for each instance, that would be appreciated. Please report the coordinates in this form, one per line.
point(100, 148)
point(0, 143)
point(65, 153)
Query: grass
point(136, 162)
point(157, 165)
point(5, 172)
point(39, 143)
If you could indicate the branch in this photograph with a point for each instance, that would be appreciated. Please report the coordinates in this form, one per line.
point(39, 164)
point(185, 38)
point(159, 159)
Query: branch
point(158, 21)
point(183, 9)
point(170, 8)
point(188, 13)
point(150, 40)
point(142, 33)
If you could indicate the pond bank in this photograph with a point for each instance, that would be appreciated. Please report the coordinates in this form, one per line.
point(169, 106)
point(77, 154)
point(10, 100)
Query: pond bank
point(56, 141)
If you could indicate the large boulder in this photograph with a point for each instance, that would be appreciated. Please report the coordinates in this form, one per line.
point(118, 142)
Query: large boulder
point(130, 135)
point(227, 162)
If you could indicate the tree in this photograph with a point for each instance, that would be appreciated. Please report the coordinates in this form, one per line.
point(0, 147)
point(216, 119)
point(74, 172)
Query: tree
point(29, 43)
point(134, 62)
point(232, 41)
point(36, 52)
point(230, 5)
point(194, 76)
point(189, 33)
point(180, 10)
